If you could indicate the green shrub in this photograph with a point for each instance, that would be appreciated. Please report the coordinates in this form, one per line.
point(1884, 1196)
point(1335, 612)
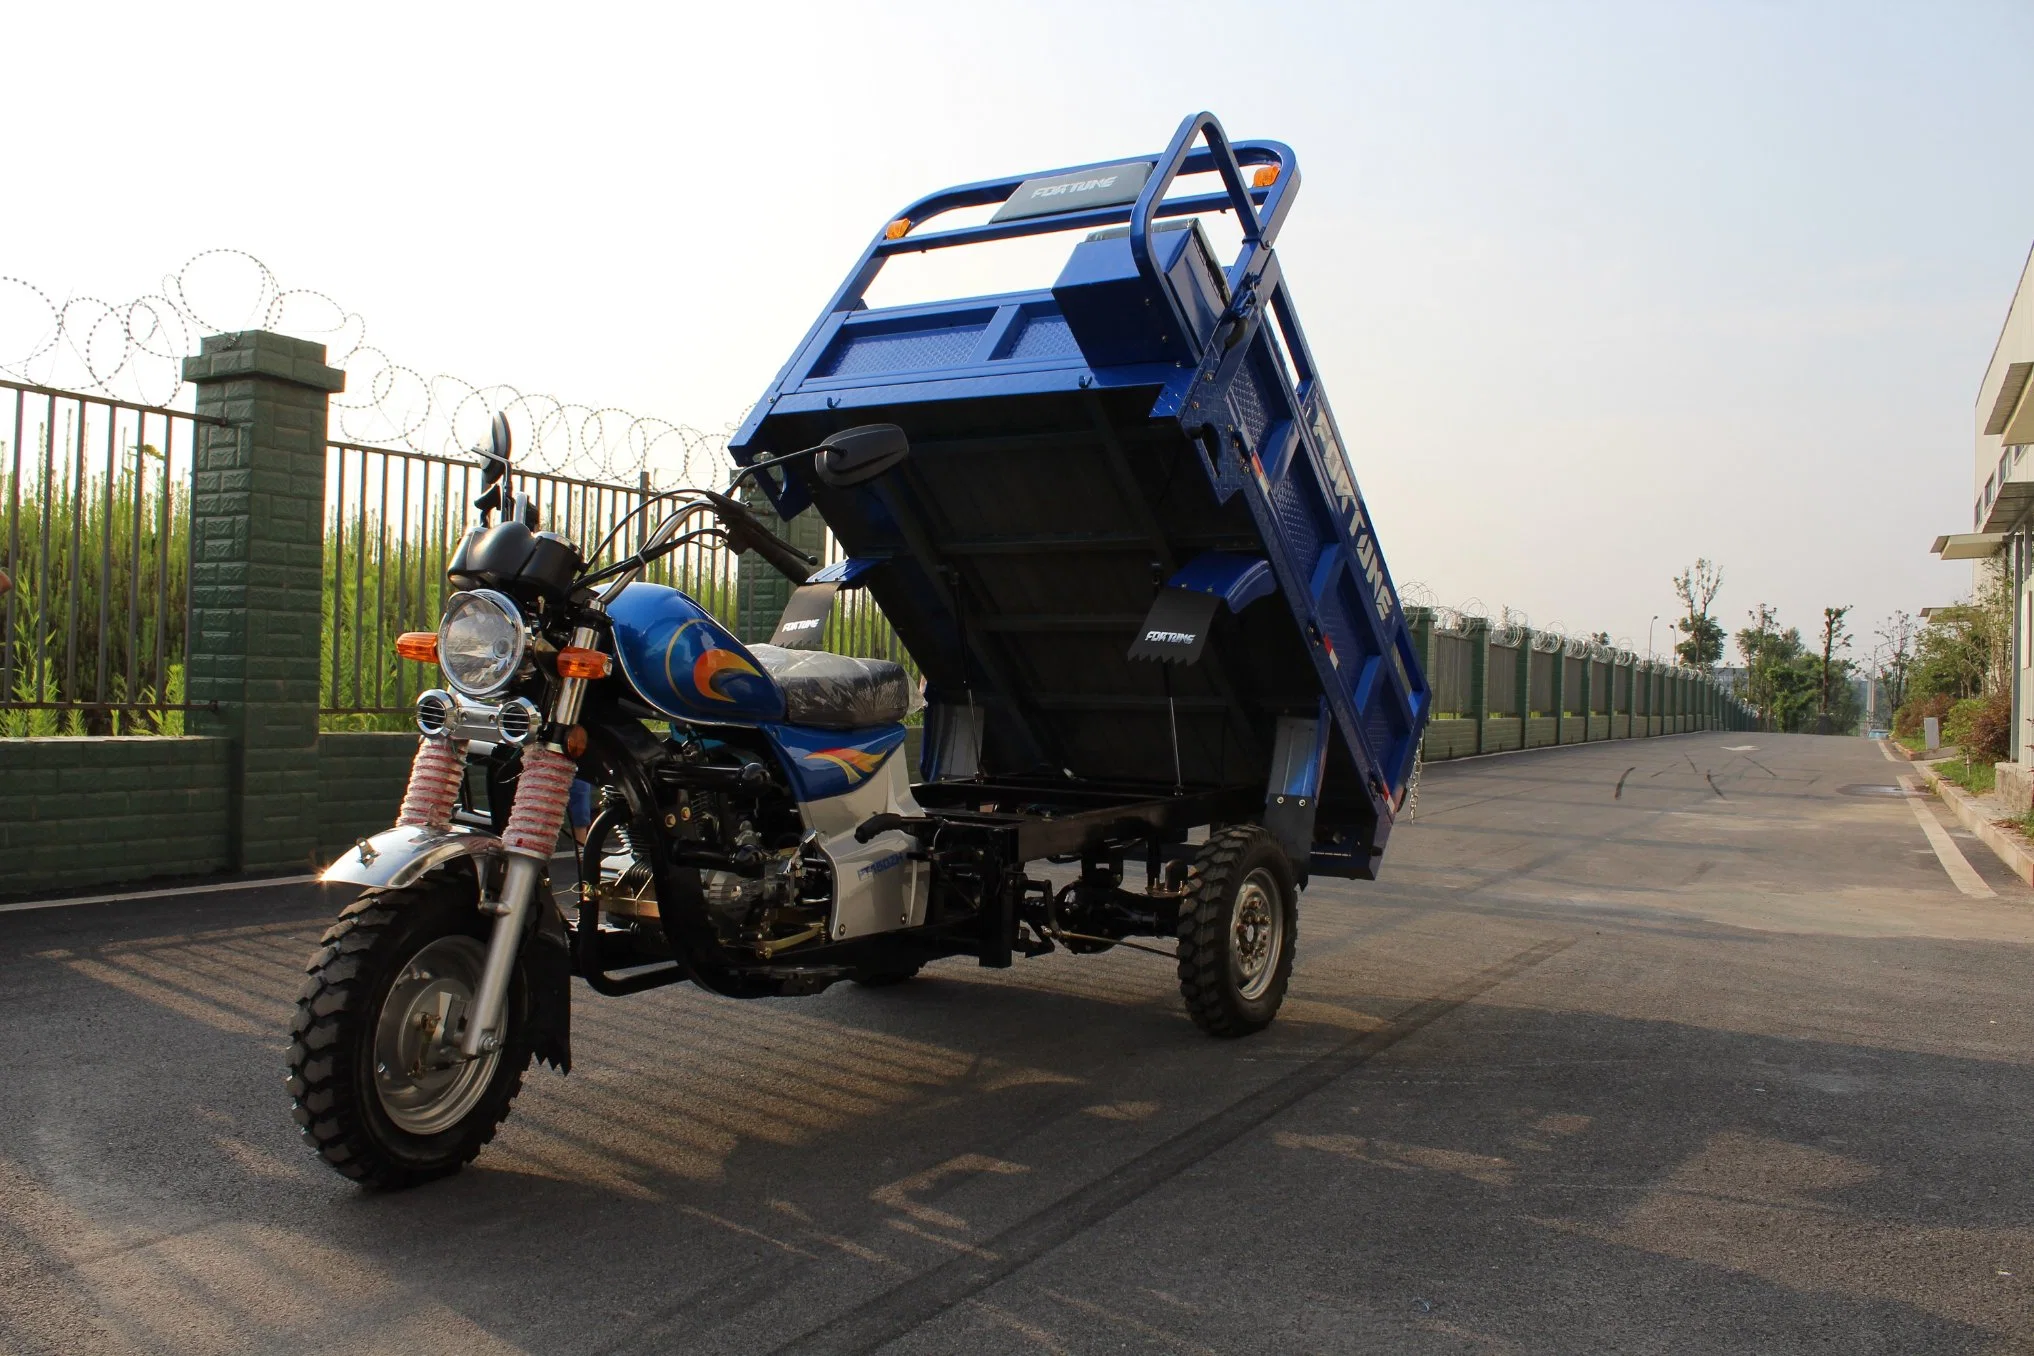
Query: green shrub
point(1907, 720)
point(1989, 734)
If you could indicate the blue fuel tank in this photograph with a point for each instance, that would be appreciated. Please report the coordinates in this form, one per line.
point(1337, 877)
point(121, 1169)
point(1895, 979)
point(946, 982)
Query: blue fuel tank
point(686, 664)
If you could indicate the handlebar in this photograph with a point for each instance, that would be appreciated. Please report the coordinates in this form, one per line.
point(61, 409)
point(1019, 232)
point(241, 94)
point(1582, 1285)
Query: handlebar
point(747, 533)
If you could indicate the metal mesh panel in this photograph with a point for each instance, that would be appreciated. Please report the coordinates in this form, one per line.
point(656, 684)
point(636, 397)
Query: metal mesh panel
point(858, 353)
point(1247, 406)
point(1502, 681)
point(1449, 676)
point(1043, 336)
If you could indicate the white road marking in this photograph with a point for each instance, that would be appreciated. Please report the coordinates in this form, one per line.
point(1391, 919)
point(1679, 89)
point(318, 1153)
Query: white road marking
point(1740, 748)
point(191, 890)
point(155, 894)
point(1886, 747)
point(1946, 851)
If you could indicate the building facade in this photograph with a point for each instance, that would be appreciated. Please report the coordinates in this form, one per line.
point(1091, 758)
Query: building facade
point(2001, 533)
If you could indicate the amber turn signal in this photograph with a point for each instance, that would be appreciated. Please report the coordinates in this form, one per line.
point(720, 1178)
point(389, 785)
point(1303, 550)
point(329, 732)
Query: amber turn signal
point(896, 229)
point(421, 646)
point(1266, 176)
point(574, 662)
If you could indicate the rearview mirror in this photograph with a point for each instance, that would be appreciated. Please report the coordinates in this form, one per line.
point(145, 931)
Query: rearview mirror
point(494, 468)
point(857, 455)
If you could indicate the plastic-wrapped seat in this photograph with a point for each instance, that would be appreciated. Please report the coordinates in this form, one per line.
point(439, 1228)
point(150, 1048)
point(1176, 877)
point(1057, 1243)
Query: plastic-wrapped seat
point(836, 691)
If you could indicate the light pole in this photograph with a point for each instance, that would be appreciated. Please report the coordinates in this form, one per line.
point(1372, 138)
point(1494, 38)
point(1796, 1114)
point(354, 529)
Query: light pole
point(1649, 636)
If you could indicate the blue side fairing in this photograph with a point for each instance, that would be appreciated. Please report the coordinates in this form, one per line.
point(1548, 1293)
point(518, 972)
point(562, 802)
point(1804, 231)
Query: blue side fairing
point(827, 763)
point(684, 663)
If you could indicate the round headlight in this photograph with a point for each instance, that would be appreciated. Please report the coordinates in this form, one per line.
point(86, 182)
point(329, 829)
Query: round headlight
point(480, 642)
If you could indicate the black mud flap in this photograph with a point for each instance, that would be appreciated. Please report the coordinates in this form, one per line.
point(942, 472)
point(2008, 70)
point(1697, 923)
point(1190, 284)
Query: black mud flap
point(547, 980)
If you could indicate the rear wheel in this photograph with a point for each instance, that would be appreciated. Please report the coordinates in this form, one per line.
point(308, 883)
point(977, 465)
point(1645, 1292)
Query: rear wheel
point(1238, 923)
point(380, 1088)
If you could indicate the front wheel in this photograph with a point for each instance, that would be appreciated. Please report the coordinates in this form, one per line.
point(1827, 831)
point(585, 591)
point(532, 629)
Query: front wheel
point(1237, 925)
point(380, 1088)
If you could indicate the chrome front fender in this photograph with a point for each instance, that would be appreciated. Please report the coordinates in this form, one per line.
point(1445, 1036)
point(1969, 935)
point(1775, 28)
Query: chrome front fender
point(396, 857)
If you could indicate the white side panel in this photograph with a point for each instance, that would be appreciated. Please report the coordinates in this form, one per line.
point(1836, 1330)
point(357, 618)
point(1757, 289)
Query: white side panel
point(877, 887)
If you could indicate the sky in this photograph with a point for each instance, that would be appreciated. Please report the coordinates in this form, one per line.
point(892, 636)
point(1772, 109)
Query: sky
point(1596, 289)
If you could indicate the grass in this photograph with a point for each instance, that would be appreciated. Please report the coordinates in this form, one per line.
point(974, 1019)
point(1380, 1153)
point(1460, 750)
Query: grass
point(1978, 778)
point(99, 566)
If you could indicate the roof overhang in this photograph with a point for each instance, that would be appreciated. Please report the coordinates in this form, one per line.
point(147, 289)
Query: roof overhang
point(2016, 498)
point(2008, 402)
point(1968, 545)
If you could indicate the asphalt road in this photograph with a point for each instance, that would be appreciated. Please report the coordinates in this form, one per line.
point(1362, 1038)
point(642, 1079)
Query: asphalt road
point(1669, 1046)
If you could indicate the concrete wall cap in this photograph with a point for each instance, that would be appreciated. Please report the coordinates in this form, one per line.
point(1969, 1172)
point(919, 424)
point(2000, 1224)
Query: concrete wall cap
point(259, 353)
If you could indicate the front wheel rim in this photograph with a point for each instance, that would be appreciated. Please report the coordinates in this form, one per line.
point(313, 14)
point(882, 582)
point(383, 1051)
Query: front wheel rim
point(1256, 934)
point(425, 1086)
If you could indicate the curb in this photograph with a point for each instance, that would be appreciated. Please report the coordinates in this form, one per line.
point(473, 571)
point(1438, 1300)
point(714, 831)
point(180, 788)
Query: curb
point(2006, 845)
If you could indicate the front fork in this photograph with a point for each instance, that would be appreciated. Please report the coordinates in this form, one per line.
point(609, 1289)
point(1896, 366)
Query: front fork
point(542, 792)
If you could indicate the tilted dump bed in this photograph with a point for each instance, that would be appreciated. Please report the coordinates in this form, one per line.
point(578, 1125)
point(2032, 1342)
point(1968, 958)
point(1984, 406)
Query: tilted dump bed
point(1128, 549)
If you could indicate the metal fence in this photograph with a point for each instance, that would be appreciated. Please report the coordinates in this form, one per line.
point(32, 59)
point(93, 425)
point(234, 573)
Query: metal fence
point(95, 499)
point(394, 519)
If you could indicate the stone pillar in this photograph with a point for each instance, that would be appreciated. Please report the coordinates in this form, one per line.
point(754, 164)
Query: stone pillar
point(257, 528)
point(1560, 658)
point(1589, 696)
point(1420, 621)
point(1479, 680)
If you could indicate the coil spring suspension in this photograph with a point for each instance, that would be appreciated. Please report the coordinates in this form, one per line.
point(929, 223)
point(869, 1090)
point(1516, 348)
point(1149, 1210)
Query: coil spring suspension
point(435, 775)
point(539, 811)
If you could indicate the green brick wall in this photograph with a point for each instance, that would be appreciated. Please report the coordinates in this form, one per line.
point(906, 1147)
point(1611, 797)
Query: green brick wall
point(1501, 734)
point(1449, 739)
point(80, 812)
point(360, 786)
point(121, 811)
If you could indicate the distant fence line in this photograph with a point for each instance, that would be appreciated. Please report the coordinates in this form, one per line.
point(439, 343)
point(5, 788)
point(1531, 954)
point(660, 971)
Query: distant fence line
point(1496, 689)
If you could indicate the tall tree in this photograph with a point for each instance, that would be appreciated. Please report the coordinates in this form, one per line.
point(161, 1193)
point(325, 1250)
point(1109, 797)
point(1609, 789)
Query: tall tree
point(1764, 647)
point(1696, 587)
point(1896, 657)
point(1834, 638)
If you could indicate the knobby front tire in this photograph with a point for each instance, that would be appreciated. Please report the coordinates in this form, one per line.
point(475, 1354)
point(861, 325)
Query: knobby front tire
point(374, 1091)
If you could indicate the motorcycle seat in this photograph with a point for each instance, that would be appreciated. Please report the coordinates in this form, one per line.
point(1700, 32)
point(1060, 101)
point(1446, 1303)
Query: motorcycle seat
point(836, 691)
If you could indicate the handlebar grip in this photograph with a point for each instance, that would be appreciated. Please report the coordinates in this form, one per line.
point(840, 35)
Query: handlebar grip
point(747, 533)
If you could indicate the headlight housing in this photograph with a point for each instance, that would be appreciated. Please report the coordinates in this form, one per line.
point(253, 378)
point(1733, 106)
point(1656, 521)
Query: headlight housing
point(481, 641)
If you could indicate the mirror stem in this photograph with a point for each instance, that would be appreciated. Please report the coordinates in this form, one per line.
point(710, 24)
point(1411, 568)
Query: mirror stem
point(765, 464)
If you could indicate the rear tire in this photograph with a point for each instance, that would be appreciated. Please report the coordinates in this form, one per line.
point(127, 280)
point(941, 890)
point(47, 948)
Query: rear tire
point(1238, 924)
point(376, 1096)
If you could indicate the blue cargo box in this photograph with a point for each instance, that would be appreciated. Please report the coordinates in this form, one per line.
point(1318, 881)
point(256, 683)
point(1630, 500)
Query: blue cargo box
point(1109, 481)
